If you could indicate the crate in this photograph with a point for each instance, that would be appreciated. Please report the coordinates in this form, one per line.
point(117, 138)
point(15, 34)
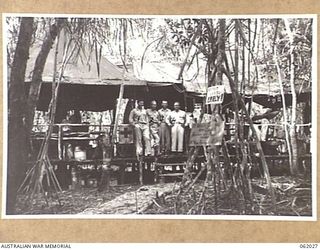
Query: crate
point(125, 134)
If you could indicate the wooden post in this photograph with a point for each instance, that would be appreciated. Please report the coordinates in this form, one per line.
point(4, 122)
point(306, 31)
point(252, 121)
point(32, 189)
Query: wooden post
point(156, 173)
point(122, 172)
point(141, 171)
point(74, 177)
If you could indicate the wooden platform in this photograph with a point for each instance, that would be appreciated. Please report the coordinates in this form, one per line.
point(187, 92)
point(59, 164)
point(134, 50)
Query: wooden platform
point(176, 163)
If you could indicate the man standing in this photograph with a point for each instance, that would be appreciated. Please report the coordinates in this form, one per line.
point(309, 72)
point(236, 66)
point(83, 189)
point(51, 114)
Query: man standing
point(139, 119)
point(176, 120)
point(164, 130)
point(154, 122)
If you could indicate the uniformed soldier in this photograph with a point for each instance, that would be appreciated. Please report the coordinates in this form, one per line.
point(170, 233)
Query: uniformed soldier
point(164, 130)
point(177, 120)
point(139, 119)
point(154, 123)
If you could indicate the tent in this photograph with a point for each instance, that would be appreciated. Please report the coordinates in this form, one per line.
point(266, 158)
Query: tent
point(91, 82)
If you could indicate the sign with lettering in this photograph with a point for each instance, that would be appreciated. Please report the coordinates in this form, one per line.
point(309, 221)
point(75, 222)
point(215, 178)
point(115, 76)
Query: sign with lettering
point(199, 135)
point(215, 94)
point(207, 134)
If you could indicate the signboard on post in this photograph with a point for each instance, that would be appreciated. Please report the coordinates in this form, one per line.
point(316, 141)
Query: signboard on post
point(215, 94)
point(206, 134)
point(199, 135)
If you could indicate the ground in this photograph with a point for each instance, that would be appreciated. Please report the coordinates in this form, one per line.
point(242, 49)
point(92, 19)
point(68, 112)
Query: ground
point(293, 198)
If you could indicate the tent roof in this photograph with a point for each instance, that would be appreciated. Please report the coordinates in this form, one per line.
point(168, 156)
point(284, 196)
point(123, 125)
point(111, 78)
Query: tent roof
point(84, 66)
point(194, 78)
point(167, 73)
point(157, 72)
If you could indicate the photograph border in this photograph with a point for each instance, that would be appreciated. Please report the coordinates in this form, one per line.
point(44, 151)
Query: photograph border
point(170, 217)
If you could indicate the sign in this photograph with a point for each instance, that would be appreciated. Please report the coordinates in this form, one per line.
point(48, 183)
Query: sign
point(199, 135)
point(209, 133)
point(215, 94)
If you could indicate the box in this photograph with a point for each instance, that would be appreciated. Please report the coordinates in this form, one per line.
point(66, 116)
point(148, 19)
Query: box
point(125, 134)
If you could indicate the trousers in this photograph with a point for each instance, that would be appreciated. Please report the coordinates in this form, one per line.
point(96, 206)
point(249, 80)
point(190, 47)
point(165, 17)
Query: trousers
point(164, 132)
point(155, 139)
point(142, 133)
point(177, 134)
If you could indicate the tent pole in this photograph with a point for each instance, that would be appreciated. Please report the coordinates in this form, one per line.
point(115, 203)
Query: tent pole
point(116, 120)
point(185, 100)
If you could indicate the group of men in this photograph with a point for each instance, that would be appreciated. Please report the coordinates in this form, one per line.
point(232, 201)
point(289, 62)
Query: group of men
point(158, 131)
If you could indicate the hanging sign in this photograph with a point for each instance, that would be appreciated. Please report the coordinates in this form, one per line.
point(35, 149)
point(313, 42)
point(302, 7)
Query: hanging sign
point(215, 94)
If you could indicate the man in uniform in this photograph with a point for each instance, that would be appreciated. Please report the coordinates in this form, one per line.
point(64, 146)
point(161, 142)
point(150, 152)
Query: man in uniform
point(164, 131)
point(139, 119)
point(177, 120)
point(154, 122)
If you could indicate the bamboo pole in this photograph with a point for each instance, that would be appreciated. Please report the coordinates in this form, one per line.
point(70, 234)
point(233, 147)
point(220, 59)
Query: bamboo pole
point(254, 133)
point(43, 165)
point(284, 109)
point(293, 140)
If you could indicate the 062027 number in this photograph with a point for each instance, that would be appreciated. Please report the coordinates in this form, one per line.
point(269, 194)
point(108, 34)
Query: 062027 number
point(308, 245)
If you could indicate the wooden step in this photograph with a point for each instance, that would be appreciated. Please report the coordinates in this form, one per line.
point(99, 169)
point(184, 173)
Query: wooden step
point(171, 175)
point(170, 164)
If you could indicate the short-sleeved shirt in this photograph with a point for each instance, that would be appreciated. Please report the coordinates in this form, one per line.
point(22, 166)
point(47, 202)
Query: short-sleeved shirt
point(138, 116)
point(153, 116)
point(176, 117)
point(164, 114)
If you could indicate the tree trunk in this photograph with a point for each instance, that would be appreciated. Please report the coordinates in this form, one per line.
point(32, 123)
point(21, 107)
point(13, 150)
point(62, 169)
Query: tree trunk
point(221, 51)
point(16, 119)
point(235, 100)
point(36, 81)
point(292, 131)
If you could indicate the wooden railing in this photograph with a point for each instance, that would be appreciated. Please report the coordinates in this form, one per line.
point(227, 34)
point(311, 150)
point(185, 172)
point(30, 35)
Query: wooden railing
point(61, 136)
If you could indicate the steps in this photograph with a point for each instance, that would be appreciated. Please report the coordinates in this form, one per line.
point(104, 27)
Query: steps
point(160, 173)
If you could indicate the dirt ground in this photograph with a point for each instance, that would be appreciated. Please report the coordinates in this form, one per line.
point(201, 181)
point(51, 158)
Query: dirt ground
point(71, 201)
point(293, 198)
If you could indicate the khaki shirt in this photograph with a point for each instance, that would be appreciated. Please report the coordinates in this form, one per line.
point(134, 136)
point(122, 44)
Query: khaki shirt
point(164, 114)
point(176, 117)
point(138, 116)
point(153, 116)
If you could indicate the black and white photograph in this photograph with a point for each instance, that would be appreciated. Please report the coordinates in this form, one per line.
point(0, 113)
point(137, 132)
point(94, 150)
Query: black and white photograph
point(159, 117)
